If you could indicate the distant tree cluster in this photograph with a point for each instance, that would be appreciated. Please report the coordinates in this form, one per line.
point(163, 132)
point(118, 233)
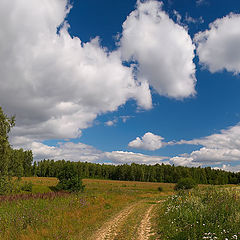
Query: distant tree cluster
point(135, 172)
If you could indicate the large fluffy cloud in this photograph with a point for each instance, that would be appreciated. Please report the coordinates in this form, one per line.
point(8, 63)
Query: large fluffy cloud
point(56, 84)
point(219, 148)
point(149, 141)
point(219, 47)
point(162, 49)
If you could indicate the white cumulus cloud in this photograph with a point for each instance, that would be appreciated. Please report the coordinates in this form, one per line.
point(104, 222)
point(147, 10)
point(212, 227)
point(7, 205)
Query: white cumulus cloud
point(220, 148)
point(149, 141)
point(217, 149)
point(162, 49)
point(57, 85)
point(54, 83)
point(82, 152)
point(122, 157)
point(219, 47)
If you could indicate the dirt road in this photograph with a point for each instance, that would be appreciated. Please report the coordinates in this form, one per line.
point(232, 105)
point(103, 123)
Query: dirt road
point(132, 223)
point(144, 230)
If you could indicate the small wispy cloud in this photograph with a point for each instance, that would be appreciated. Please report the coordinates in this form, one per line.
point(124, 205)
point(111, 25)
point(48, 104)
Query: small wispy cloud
point(125, 118)
point(116, 120)
point(111, 122)
point(178, 16)
point(190, 19)
point(201, 2)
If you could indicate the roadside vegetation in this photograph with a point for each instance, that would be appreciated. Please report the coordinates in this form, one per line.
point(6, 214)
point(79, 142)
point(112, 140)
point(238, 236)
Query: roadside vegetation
point(201, 213)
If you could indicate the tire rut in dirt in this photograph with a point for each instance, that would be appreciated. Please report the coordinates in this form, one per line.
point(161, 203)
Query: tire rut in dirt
point(144, 230)
point(110, 230)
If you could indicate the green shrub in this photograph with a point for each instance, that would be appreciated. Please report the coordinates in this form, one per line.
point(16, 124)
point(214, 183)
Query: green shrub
point(6, 185)
point(72, 184)
point(16, 186)
point(185, 183)
point(27, 186)
point(9, 186)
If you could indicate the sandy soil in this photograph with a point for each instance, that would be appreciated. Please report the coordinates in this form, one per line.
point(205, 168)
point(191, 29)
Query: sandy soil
point(144, 230)
point(111, 229)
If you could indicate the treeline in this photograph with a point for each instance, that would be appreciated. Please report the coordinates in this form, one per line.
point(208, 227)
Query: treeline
point(20, 163)
point(13, 162)
point(17, 162)
point(134, 172)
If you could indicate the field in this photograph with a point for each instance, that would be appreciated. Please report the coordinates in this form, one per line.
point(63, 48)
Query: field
point(121, 210)
point(106, 209)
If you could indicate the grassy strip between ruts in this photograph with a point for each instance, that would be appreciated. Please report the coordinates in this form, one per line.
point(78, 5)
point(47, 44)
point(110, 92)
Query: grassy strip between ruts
point(71, 216)
point(206, 213)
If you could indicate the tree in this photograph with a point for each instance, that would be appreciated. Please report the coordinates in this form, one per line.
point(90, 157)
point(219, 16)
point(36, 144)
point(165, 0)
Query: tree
point(69, 178)
point(185, 183)
point(27, 162)
point(6, 123)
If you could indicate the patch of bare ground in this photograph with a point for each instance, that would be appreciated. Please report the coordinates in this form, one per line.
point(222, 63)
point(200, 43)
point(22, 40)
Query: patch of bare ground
point(144, 230)
point(111, 229)
point(132, 223)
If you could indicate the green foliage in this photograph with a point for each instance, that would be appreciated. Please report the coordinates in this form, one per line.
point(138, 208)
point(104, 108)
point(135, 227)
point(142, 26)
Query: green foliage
point(6, 124)
point(13, 162)
point(8, 186)
point(20, 163)
point(185, 183)
point(5, 185)
point(69, 178)
point(27, 186)
point(73, 184)
point(107, 206)
point(42, 189)
point(212, 213)
point(136, 172)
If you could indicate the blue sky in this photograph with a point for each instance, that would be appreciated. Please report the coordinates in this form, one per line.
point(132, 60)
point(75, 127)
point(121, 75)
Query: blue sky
point(124, 81)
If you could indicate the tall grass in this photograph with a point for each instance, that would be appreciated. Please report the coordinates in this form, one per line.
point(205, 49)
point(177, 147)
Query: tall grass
point(211, 213)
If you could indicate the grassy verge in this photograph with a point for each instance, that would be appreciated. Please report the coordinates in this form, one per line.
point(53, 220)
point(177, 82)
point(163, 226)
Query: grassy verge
point(210, 213)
